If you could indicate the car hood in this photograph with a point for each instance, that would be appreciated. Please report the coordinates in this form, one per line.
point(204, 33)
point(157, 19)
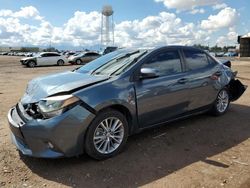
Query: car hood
point(45, 86)
point(27, 58)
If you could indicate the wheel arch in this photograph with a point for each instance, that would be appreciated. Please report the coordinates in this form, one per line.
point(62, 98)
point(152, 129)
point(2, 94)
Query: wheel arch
point(122, 109)
point(33, 60)
point(60, 60)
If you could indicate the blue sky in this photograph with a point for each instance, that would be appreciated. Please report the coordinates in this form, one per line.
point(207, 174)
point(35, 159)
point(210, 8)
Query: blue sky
point(137, 23)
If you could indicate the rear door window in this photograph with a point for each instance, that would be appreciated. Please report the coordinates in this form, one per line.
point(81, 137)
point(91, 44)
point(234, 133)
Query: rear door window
point(91, 54)
point(195, 59)
point(53, 55)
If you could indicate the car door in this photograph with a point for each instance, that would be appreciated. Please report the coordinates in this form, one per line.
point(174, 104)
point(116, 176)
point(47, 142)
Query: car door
point(52, 59)
point(84, 58)
point(87, 57)
point(93, 56)
point(200, 70)
point(43, 59)
point(164, 97)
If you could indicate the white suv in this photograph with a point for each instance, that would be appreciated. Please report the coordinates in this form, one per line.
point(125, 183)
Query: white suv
point(45, 58)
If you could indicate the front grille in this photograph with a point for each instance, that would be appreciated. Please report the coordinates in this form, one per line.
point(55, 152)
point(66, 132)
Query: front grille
point(32, 110)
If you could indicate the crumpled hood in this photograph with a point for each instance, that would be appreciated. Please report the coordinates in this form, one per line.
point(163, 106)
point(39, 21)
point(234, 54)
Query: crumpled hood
point(45, 86)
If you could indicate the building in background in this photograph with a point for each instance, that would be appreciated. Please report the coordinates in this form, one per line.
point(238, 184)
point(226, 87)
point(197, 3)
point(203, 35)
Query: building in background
point(244, 42)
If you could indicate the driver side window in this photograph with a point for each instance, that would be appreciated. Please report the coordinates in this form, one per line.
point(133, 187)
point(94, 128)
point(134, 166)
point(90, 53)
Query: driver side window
point(165, 63)
point(44, 55)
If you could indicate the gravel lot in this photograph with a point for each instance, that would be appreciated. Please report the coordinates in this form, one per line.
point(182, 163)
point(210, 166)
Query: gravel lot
point(201, 151)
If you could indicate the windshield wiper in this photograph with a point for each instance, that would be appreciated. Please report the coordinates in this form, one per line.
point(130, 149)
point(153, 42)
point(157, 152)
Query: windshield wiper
point(74, 70)
point(116, 59)
point(127, 55)
point(138, 57)
point(132, 62)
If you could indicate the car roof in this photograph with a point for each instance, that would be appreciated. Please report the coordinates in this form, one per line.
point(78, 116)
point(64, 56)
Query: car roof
point(150, 49)
point(177, 47)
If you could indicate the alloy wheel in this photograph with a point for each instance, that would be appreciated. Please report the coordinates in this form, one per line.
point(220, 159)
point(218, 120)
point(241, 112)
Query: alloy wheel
point(60, 62)
point(31, 64)
point(78, 62)
point(108, 135)
point(222, 101)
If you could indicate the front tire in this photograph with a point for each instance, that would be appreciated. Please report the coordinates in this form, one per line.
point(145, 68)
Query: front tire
point(221, 103)
point(107, 135)
point(78, 62)
point(31, 64)
point(60, 62)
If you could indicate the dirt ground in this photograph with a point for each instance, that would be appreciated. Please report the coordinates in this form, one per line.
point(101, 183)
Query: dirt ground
point(201, 151)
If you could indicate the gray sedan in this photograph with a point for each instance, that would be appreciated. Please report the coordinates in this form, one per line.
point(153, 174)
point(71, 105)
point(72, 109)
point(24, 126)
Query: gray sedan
point(83, 58)
point(95, 108)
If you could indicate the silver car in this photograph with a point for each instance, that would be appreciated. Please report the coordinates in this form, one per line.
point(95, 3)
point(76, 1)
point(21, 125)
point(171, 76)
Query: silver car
point(44, 59)
point(82, 58)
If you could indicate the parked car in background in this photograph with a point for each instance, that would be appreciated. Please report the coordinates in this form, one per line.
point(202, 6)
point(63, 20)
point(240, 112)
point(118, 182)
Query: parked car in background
point(20, 54)
point(219, 54)
point(4, 53)
point(69, 113)
point(230, 54)
point(68, 54)
point(212, 54)
point(28, 54)
point(45, 58)
point(83, 58)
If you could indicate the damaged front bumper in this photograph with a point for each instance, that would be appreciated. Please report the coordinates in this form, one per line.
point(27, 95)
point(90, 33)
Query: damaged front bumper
point(60, 136)
point(23, 62)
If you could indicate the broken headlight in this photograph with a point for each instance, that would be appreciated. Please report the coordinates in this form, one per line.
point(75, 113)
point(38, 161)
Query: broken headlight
point(53, 106)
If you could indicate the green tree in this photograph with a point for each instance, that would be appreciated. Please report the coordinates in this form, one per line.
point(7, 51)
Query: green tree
point(29, 49)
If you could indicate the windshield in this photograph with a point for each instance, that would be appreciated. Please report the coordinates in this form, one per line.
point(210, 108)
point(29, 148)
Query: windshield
point(76, 54)
point(93, 65)
point(38, 55)
point(118, 64)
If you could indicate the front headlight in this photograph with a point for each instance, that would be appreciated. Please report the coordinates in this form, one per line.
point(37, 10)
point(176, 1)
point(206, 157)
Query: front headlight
point(53, 106)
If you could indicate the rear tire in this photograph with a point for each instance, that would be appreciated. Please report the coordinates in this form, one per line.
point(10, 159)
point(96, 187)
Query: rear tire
point(31, 64)
point(60, 62)
point(221, 103)
point(106, 135)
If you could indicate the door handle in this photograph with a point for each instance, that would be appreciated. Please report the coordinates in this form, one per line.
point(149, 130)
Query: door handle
point(182, 80)
point(216, 75)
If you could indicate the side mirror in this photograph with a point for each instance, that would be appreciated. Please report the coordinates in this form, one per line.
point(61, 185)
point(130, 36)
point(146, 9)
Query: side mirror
point(147, 73)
